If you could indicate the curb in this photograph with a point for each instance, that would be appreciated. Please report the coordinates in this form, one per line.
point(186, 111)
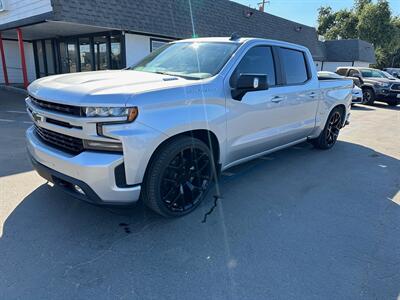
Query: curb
point(13, 89)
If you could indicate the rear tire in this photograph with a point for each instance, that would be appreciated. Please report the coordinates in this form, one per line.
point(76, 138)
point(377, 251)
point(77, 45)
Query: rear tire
point(179, 177)
point(328, 137)
point(369, 96)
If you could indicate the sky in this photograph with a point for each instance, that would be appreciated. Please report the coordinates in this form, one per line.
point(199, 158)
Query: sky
point(306, 11)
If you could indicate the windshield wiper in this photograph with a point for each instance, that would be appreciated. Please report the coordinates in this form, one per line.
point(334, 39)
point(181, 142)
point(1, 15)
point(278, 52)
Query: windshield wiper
point(177, 75)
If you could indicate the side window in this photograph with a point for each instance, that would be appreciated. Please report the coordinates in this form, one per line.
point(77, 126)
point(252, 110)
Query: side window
point(258, 60)
point(294, 66)
point(354, 72)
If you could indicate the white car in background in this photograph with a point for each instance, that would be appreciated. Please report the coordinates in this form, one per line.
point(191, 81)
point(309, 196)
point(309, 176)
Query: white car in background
point(357, 94)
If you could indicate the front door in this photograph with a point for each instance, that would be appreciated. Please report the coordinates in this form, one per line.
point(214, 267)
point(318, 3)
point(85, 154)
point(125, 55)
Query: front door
point(282, 114)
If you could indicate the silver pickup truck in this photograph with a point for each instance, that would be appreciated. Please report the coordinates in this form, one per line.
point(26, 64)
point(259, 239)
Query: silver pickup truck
point(163, 129)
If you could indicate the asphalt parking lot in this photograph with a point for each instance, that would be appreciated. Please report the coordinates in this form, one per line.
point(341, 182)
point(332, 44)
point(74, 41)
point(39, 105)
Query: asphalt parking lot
point(297, 224)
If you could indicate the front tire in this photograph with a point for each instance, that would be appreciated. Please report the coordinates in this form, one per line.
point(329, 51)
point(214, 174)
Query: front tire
point(179, 177)
point(369, 96)
point(328, 137)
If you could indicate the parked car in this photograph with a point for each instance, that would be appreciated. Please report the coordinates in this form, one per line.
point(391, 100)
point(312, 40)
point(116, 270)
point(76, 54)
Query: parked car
point(395, 72)
point(375, 84)
point(163, 129)
point(357, 94)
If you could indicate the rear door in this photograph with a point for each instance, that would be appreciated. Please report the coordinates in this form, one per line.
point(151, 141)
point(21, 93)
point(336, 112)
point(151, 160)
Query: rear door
point(301, 95)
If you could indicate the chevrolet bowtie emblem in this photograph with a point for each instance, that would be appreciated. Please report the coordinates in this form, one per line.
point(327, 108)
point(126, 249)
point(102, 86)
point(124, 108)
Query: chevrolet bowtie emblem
point(37, 117)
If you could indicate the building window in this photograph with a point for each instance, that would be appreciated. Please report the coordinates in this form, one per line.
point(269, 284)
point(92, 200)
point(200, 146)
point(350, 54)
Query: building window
point(100, 53)
point(85, 54)
point(116, 53)
point(79, 53)
point(157, 43)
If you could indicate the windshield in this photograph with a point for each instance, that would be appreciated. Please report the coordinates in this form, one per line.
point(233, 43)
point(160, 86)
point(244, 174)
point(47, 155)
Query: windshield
point(188, 59)
point(372, 73)
point(387, 75)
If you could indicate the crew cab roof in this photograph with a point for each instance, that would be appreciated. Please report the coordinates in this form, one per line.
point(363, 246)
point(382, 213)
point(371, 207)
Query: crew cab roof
point(243, 40)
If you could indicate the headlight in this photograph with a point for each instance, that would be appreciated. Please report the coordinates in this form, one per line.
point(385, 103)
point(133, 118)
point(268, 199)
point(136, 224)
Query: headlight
point(382, 84)
point(129, 112)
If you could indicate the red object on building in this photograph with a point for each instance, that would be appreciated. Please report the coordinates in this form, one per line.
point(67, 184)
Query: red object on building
point(3, 60)
point(22, 53)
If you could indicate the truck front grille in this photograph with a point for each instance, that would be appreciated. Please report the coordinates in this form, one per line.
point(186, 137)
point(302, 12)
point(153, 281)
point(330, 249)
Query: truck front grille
point(396, 87)
point(61, 141)
point(62, 108)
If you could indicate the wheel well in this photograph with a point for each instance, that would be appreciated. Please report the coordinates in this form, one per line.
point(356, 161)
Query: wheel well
point(206, 136)
point(368, 88)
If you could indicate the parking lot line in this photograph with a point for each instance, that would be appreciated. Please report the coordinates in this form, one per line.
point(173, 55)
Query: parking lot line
point(16, 111)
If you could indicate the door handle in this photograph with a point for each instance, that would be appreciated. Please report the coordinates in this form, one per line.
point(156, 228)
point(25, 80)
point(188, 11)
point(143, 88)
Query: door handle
point(312, 94)
point(277, 99)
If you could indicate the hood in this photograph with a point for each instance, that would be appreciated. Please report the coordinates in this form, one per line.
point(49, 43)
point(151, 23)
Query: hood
point(384, 80)
point(100, 87)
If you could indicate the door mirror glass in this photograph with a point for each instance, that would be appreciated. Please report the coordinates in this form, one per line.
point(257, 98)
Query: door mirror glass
point(248, 83)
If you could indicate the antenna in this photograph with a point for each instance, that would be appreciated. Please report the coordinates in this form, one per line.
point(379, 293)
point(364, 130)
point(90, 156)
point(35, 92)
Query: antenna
point(261, 5)
point(234, 36)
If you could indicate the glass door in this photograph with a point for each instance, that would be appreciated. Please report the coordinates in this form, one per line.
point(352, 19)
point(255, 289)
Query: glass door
point(101, 53)
point(69, 56)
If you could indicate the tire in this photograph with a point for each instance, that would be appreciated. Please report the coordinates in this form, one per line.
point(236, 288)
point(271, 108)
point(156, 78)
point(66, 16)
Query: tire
point(369, 96)
point(179, 177)
point(328, 137)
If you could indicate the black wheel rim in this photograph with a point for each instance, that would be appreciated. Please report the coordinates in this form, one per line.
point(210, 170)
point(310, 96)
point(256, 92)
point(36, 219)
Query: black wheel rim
point(334, 126)
point(186, 179)
point(367, 96)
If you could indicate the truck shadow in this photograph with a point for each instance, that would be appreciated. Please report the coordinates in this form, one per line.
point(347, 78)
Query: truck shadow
point(297, 222)
point(385, 106)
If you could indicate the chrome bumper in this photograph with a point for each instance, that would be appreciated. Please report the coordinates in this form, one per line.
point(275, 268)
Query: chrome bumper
point(94, 170)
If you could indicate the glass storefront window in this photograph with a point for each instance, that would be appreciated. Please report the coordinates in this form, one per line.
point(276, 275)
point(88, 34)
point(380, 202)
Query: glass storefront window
point(95, 52)
point(40, 56)
point(51, 68)
point(85, 54)
point(116, 57)
point(100, 53)
point(72, 56)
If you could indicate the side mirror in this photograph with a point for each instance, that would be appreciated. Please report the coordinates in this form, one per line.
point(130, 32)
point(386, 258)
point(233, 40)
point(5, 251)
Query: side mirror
point(395, 74)
point(248, 83)
point(358, 77)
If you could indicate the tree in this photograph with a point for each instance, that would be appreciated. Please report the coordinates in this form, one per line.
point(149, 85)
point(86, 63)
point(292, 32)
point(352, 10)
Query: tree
point(374, 23)
point(360, 4)
point(369, 21)
point(334, 25)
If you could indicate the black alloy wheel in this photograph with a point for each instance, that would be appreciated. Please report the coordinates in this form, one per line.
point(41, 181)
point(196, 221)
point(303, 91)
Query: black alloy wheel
point(185, 179)
point(334, 126)
point(329, 135)
point(369, 96)
point(179, 177)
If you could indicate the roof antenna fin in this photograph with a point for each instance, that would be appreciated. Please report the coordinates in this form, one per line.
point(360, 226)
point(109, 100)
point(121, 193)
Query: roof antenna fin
point(234, 36)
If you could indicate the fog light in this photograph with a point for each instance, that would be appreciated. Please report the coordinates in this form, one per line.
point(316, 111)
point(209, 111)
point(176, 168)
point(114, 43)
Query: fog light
point(78, 189)
point(102, 146)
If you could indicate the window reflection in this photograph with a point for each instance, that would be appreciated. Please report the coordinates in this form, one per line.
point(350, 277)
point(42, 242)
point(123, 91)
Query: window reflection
point(116, 57)
point(85, 54)
point(100, 53)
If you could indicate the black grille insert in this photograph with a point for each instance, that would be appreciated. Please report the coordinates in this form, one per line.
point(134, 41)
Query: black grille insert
point(63, 108)
point(61, 141)
point(396, 87)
